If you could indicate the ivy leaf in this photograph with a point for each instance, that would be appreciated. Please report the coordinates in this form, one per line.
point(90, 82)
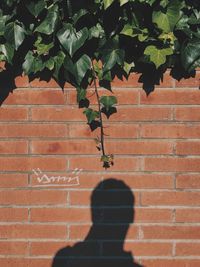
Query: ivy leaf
point(36, 8)
point(58, 62)
point(112, 57)
point(81, 94)
point(48, 25)
point(72, 40)
point(107, 3)
point(32, 64)
point(8, 52)
point(3, 20)
point(91, 114)
point(14, 34)
point(162, 21)
point(28, 63)
point(42, 49)
point(128, 67)
point(82, 66)
point(108, 101)
point(158, 56)
point(50, 63)
point(123, 2)
point(167, 21)
point(190, 55)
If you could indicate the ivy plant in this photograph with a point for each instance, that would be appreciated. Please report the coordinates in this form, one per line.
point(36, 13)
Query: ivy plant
point(90, 42)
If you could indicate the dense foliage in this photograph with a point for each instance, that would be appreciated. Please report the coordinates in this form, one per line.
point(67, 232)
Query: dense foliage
point(81, 41)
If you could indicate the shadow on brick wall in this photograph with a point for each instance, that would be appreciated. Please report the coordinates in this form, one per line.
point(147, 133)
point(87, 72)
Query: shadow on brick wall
point(112, 206)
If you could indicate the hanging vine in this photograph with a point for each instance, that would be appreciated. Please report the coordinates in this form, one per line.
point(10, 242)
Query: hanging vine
point(91, 42)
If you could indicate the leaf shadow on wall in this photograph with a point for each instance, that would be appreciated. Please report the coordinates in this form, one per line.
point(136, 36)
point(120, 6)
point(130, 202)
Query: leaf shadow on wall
point(112, 207)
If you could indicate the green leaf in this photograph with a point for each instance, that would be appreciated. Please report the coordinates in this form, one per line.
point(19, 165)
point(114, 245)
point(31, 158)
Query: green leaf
point(123, 2)
point(32, 64)
point(158, 56)
point(107, 3)
point(112, 57)
point(14, 34)
point(167, 21)
point(8, 52)
point(91, 114)
point(174, 12)
point(128, 67)
point(42, 49)
point(82, 66)
point(50, 64)
point(58, 62)
point(162, 21)
point(190, 55)
point(49, 24)
point(108, 101)
point(81, 94)
point(72, 40)
point(28, 63)
point(36, 8)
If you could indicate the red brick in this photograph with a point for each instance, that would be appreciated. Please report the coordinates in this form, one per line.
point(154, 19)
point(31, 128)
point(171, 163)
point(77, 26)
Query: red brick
point(85, 180)
point(13, 180)
point(146, 181)
point(171, 232)
point(131, 114)
point(153, 215)
point(29, 231)
point(148, 249)
point(128, 96)
point(92, 163)
point(13, 214)
point(171, 96)
point(171, 198)
point(44, 84)
point(188, 249)
point(187, 114)
point(25, 262)
point(79, 232)
point(13, 114)
point(10, 248)
point(69, 113)
point(35, 97)
point(64, 147)
point(191, 181)
point(170, 263)
point(120, 130)
point(188, 148)
point(172, 164)
point(170, 131)
point(131, 82)
point(188, 215)
point(139, 147)
point(13, 147)
point(22, 81)
point(33, 130)
point(30, 197)
point(47, 249)
point(68, 215)
point(190, 82)
point(132, 180)
point(84, 198)
point(29, 163)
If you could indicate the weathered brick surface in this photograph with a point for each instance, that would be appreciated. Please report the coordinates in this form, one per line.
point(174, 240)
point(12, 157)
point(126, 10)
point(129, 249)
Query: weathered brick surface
point(156, 143)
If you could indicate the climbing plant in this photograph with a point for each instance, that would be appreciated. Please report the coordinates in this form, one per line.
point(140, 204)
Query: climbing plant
point(90, 42)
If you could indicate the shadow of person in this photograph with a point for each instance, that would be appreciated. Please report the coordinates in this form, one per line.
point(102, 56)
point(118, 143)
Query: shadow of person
point(112, 205)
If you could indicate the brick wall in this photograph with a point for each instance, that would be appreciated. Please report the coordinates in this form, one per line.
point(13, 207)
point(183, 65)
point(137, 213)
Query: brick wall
point(156, 143)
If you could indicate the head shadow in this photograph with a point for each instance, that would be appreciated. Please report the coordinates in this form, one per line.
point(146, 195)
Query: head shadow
point(112, 212)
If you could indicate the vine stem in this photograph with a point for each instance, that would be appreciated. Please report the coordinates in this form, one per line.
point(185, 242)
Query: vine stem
point(99, 108)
